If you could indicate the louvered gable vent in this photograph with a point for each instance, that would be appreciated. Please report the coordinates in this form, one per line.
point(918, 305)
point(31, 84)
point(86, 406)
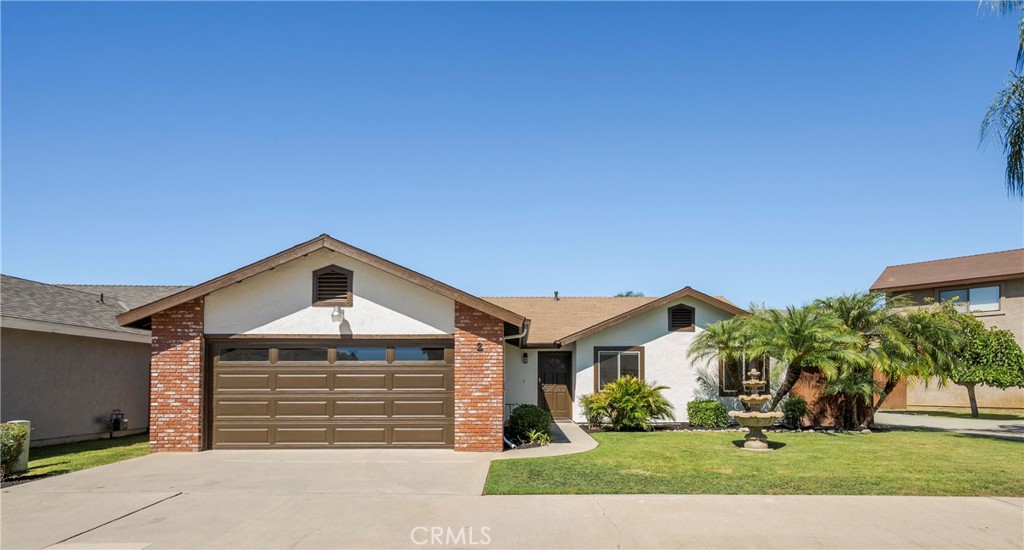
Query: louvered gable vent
point(332, 286)
point(681, 317)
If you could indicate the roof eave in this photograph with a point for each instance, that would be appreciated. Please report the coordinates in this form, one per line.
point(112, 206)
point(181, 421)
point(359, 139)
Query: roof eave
point(895, 287)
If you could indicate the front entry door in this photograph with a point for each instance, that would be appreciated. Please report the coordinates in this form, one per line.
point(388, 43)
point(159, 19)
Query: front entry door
point(554, 370)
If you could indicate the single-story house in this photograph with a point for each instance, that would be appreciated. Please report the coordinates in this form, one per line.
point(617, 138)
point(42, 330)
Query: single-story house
point(326, 345)
point(65, 362)
point(988, 286)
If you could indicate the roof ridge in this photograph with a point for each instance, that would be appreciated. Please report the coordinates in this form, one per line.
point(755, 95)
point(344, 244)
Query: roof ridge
point(959, 257)
point(560, 297)
point(119, 306)
point(62, 287)
point(114, 285)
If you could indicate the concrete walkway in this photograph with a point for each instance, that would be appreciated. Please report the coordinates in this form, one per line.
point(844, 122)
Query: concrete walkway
point(568, 439)
point(1002, 429)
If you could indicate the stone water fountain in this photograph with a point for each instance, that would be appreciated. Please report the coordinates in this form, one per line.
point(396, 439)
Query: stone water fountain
point(753, 418)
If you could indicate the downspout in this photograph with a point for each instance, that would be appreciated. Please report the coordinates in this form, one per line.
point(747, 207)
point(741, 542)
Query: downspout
point(521, 335)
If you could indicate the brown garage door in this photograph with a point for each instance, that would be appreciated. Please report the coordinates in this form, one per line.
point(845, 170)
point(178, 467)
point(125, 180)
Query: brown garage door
point(302, 395)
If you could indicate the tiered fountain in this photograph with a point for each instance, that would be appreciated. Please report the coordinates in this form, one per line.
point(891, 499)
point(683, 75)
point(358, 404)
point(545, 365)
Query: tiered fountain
point(753, 419)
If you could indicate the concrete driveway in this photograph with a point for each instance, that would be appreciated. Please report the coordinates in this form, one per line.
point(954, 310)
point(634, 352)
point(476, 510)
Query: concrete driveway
point(417, 499)
point(240, 484)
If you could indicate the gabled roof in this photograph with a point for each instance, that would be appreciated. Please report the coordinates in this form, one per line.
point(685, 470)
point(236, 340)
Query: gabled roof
point(993, 266)
point(140, 316)
point(567, 319)
point(57, 305)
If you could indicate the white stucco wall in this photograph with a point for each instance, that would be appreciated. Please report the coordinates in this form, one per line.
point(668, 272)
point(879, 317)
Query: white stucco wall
point(665, 360)
point(280, 302)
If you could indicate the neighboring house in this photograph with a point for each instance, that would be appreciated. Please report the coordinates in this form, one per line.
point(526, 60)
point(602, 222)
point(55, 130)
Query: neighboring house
point(65, 362)
point(326, 345)
point(990, 287)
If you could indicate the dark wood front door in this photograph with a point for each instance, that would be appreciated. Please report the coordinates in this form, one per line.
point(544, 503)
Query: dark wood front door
point(554, 369)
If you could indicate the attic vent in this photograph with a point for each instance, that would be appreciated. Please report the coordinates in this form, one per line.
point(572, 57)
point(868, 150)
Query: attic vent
point(332, 286)
point(681, 318)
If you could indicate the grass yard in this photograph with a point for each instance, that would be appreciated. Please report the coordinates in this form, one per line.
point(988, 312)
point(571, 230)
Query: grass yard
point(71, 457)
point(889, 463)
point(983, 414)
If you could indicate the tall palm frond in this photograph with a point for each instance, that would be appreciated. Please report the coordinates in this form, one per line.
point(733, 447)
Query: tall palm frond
point(1004, 122)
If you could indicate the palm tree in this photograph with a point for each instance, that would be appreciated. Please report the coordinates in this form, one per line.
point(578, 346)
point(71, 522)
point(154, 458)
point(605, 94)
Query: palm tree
point(802, 338)
point(728, 341)
point(897, 342)
point(1004, 120)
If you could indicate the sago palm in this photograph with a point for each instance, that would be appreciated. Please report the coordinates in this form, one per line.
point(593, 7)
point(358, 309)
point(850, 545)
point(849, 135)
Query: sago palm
point(633, 404)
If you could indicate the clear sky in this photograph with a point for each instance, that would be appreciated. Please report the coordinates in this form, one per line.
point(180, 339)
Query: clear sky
point(767, 152)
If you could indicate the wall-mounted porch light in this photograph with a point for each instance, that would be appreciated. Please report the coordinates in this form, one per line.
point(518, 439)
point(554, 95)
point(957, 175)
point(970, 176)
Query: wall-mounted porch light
point(526, 358)
point(338, 315)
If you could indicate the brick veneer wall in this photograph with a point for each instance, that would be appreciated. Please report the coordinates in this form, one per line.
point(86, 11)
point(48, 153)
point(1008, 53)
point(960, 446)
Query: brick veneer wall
point(479, 380)
point(176, 378)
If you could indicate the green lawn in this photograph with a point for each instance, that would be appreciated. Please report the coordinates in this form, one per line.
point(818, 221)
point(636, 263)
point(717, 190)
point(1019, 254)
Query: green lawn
point(984, 414)
point(890, 463)
point(71, 457)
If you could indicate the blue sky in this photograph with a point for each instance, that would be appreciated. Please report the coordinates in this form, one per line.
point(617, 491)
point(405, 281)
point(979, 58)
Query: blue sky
point(768, 152)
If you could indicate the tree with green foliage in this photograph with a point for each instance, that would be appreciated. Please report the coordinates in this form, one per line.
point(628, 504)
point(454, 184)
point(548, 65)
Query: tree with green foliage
point(983, 356)
point(1004, 120)
point(630, 294)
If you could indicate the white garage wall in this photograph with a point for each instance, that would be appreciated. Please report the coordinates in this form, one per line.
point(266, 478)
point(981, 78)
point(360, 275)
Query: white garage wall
point(665, 360)
point(280, 302)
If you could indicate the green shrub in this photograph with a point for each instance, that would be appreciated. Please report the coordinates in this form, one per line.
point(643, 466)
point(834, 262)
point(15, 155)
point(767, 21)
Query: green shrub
point(628, 404)
point(706, 413)
point(12, 441)
point(793, 409)
point(595, 408)
point(525, 419)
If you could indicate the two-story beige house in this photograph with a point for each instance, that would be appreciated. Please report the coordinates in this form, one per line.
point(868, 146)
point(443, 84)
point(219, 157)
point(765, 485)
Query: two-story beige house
point(990, 287)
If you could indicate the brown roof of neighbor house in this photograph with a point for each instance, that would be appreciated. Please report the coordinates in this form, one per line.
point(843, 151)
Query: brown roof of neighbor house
point(41, 302)
point(140, 316)
point(130, 296)
point(568, 318)
point(965, 269)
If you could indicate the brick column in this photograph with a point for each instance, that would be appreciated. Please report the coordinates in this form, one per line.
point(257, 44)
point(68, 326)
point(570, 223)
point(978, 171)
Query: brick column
point(479, 380)
point(176, 379)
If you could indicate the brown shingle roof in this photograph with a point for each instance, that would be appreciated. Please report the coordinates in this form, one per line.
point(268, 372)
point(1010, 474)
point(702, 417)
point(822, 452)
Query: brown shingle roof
point(1008, 264)
point(554, 320)
point(35, 301)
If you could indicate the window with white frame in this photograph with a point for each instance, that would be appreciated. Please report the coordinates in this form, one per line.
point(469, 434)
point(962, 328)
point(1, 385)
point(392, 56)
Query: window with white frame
point(980, 298)
point(614, 363)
